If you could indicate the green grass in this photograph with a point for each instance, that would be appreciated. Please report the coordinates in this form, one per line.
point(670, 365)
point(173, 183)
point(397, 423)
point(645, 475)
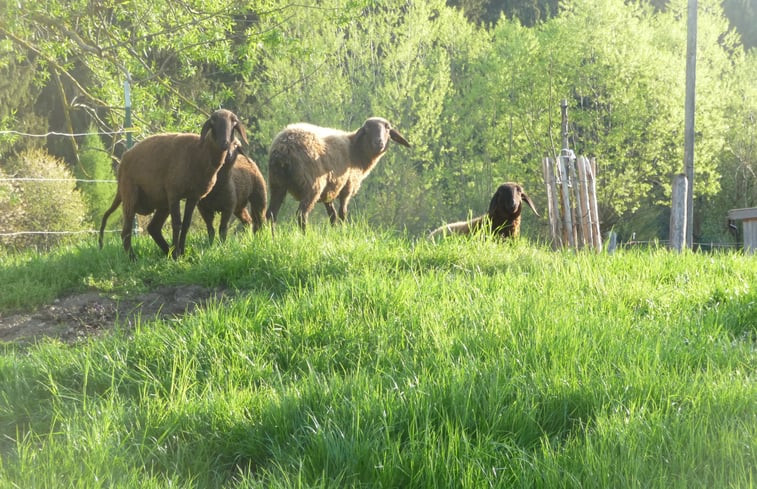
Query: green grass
point(356, 358)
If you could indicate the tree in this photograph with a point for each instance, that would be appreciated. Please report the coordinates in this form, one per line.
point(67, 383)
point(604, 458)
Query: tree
point(488, 12)
point(478, 100)
point(18, 92)
point(392, 60)
point(610, 60)
point(83, 51)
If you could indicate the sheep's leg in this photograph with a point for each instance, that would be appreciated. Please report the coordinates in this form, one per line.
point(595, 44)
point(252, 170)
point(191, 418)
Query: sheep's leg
point(223, 228)
point(244, 216)
point(256, 219)
point(277, 198)
point(189, 209)
point(129, 216)
point(176, 226)
point(129, 195)
point(305, 208)
point(155, 229)
point(343, 203)
point(208, 216)
point(331, 212)
point(113, 207)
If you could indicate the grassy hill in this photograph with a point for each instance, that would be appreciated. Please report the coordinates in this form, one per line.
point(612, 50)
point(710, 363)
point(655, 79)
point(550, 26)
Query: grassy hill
point(352, 357)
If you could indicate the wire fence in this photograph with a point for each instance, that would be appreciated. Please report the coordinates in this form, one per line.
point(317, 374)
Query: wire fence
point(15, 234)
point(53, 233)
point(631, 243)
point(35, 179)
point(12, 234)
point(665, 243)
point(67, 134)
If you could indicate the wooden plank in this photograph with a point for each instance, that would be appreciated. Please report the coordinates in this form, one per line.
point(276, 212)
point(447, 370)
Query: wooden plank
point(748, 213)
point(583, 188)
point(567, 210)
point(591, 172)
point(578, 223)
point(750, 236)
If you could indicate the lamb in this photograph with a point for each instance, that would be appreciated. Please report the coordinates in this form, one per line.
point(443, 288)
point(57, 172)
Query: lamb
point(503, 218)
point(239, 183)
point(321, 164)
point(162, 169)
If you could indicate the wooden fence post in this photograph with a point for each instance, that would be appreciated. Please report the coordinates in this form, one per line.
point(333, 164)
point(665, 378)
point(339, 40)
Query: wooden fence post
point(591, 172)
point(678, 213)
point(581, 233)
point(563, 162)
point(552, 203)
point(587, 220)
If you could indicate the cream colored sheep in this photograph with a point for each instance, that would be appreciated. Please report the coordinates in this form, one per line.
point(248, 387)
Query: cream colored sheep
point(318, 164)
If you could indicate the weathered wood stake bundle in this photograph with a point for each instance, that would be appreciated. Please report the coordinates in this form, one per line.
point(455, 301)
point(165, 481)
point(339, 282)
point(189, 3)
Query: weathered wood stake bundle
point(572, 201)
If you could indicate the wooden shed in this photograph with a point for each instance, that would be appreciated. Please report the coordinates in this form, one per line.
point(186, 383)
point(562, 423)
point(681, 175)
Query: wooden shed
point(749, 218)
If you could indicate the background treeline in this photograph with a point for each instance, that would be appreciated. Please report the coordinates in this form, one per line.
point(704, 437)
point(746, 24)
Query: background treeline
point(475, 85)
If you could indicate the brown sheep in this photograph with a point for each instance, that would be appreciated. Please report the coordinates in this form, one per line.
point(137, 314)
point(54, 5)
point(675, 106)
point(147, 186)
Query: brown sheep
point(503, 218)
point(161, 170)
point(239, 183)
point(318, 164)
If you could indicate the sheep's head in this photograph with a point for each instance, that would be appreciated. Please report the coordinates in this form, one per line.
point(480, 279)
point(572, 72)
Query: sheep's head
point(222, 124)
point(506, 202)
point(376, 132)
point(235, 149)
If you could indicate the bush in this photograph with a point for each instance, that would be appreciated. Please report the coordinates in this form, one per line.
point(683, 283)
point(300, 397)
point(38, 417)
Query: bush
point(95, 164)
point(38, 205)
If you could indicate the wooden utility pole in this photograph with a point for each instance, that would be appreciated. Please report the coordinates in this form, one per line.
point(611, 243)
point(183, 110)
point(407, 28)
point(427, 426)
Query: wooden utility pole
point(688, 138)
point(678, 225)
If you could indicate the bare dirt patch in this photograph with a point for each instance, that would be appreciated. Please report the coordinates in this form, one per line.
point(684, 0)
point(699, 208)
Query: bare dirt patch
point(79, 316)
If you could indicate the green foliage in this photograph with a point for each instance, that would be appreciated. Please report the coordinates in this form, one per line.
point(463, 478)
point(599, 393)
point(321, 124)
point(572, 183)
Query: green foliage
point(607, 60)
point(350, 357)
point(398, 61)
point(742, 14)
point(17, 94)
point(737, 165)
point(38, 205)
point(479, 100)
point(95, 164)
point(527, 12)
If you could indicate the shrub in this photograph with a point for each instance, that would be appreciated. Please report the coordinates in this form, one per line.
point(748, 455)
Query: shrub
point(38, 205)
point(95, 164)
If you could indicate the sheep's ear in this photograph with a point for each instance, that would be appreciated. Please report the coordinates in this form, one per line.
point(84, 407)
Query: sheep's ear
point(242, 132)
point(205, 129)
point(494, 203)
point(525, 197)
point(397, 137)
